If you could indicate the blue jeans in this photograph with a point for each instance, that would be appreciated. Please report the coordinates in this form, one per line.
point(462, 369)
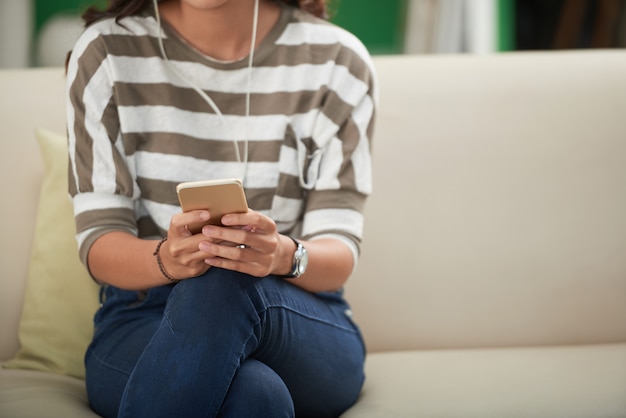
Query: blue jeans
point(224, 345)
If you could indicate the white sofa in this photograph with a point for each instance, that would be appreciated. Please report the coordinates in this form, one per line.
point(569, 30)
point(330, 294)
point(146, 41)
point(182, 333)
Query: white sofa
point(493, 275)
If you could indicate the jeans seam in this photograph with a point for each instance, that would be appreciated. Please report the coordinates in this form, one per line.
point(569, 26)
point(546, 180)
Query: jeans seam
point(107, 364)
point(312, 318)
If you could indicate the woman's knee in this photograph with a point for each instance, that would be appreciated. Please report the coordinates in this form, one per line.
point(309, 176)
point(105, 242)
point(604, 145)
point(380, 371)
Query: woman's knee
point(215, 291)
point(257, 390)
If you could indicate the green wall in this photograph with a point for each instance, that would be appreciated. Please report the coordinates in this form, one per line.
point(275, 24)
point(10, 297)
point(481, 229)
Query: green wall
point(506, 25)
point(45, 9)
point(378, 23)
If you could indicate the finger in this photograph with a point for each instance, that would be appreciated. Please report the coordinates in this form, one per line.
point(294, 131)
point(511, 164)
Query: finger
point(220, 234)
point(251, 221)
point(182, 257)
point(180, 221)
point(251, 268)
point(238, 253)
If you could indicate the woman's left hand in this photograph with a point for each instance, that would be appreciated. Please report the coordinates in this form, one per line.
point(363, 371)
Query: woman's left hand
point(249, 243)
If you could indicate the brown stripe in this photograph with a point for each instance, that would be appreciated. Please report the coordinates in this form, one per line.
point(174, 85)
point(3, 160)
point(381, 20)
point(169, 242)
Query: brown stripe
point(354, 238)
point(110, 119)
point(289, 187)
point(129, 45)
point(182, 145)
point(350, 136)
point(279, 55)
point(160, 94)
point(158, 190)
point(117, 218)
point(165, 192)
point(147, 228)
point(339, 199)
point(88, 64)
point(260, 199)
point(71, 180)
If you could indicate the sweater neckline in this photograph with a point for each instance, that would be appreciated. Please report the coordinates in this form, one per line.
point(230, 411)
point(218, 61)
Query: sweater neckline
point(263, 49)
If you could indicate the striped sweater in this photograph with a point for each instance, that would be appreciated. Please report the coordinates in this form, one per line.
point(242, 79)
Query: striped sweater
point(136, 129)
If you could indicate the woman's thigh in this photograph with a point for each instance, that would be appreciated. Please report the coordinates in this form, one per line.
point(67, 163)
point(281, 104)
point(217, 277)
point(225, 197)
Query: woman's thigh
point(124, 325)
point(312, 343)
point(309, 340)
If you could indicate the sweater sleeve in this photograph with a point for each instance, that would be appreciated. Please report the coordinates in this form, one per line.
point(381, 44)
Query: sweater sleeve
point(342, 165)
point(100, 183)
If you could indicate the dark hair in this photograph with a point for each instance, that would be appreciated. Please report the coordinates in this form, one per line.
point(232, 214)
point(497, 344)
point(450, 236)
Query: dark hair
point(120, 9)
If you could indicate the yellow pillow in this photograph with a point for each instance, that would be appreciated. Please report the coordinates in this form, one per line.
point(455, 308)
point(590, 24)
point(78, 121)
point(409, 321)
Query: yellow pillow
point(60, 298)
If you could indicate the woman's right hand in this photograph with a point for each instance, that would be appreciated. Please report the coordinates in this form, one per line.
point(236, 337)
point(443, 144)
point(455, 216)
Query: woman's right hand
point(123, 260)
point(180, 254)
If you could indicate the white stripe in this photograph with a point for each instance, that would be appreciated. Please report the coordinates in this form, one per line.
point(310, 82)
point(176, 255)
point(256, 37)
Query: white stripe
point(155, 70)
point(72, 71)
point(303, 124)
point(82, 236)
point(265, 80)
point(349, 88)
point(79, 48)
point(325, 130)
point(312, 124)
point(132, 26)
point(97, 92)
point(200, 125)
point(176, 168)
point(322, 34)
point(85, 202)
point(300, 77)
point(138, 26)
point(288, 158)
point(161, 213)
point(284, 209)
point(323, 220)
point(349, 243)
point(131, 164)
point(362, 164)
point(141, 211)
point(330, 166)
point(99, 86)
point(316, 34)
point(362, 157)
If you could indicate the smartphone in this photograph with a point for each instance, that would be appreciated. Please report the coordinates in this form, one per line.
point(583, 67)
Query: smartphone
point(219, 197)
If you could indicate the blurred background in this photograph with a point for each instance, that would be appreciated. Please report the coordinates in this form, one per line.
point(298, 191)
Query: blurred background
point(40, 32)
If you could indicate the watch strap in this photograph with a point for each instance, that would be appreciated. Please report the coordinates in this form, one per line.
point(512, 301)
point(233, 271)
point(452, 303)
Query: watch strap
point(295, 262)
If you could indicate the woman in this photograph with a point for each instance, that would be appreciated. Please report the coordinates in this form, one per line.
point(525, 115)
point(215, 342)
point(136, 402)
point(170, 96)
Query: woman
point(231, 321)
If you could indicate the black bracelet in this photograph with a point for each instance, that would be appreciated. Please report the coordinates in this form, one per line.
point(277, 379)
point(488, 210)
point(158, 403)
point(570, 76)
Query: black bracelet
point(160, 263)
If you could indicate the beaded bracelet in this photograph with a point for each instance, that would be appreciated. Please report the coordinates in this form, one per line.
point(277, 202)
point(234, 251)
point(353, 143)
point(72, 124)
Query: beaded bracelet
point(160, 263)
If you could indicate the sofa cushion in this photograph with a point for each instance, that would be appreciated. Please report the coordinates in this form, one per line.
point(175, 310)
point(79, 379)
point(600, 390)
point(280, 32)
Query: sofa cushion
point(539, 382)
point(35, 394)
point(60, 297)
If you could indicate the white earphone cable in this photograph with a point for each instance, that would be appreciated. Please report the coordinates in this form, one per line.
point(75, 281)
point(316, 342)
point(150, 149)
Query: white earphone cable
point(205, 96)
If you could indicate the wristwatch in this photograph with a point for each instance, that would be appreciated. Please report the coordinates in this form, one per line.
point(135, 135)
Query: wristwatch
point(300, 261)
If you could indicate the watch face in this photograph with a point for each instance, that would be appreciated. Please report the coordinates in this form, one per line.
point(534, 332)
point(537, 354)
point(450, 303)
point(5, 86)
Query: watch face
point(302, 263)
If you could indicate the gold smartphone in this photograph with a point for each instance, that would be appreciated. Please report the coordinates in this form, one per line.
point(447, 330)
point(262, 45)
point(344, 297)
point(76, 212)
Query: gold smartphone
point(219, 197)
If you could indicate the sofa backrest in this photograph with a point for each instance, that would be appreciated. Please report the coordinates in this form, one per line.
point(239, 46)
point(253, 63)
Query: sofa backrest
point(497, 217)
point(499, 209)
point(29, 99)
